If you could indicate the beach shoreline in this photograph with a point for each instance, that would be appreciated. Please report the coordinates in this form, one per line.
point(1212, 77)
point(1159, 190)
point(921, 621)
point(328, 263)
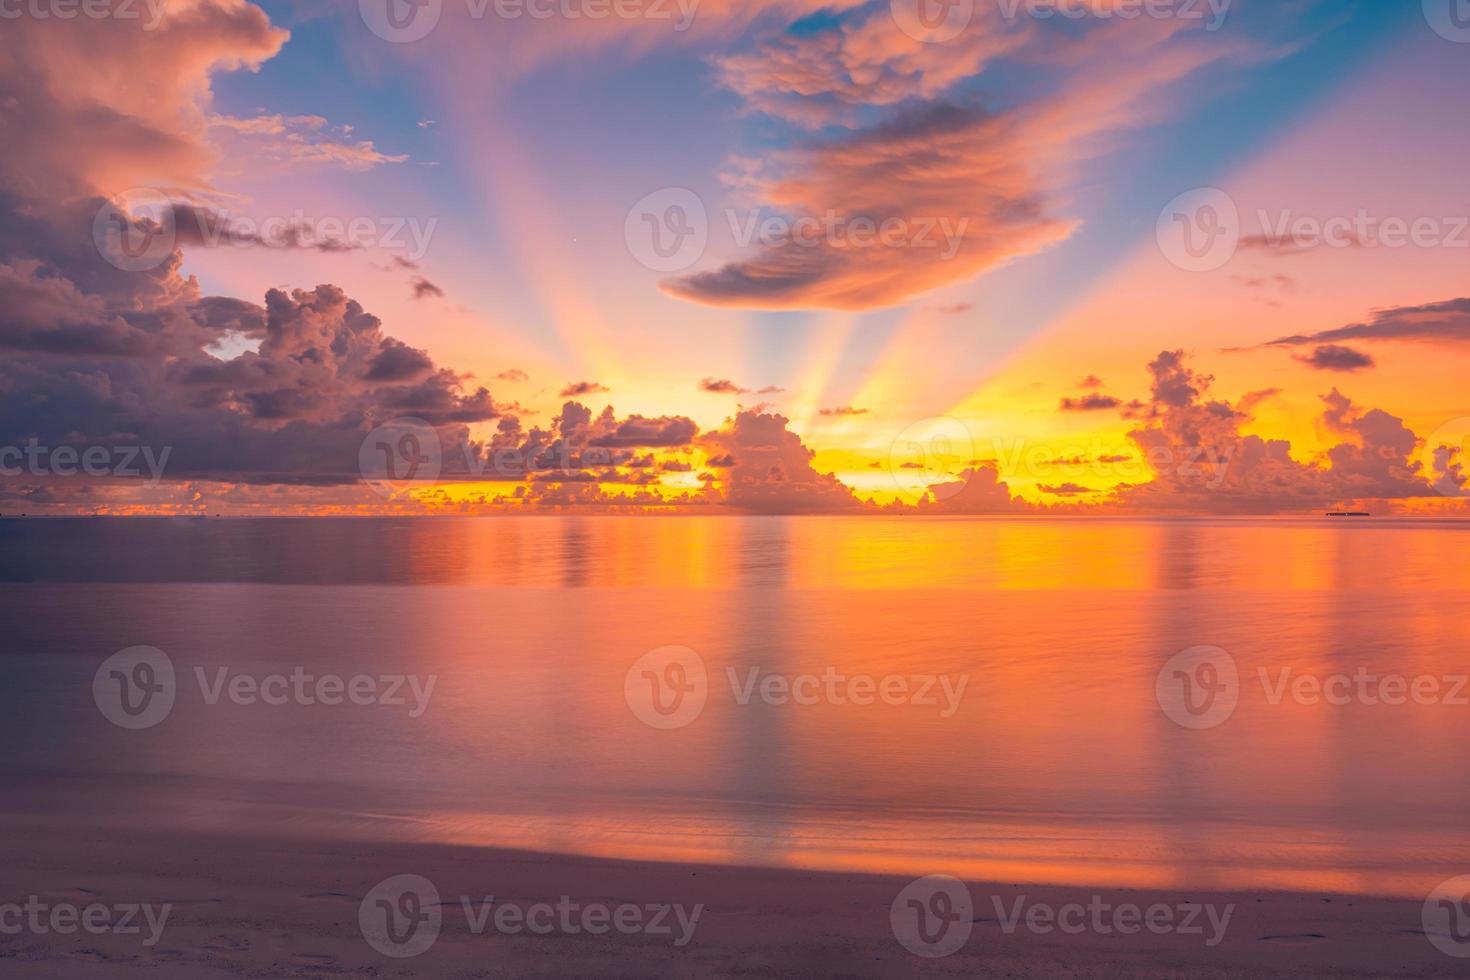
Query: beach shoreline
point(264, 907)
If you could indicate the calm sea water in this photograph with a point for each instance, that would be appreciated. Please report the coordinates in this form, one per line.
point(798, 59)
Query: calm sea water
point(1057, 762)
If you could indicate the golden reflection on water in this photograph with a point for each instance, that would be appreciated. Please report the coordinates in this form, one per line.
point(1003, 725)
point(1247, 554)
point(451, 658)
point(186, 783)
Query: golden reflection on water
point(965, 553)
point(1058, 764)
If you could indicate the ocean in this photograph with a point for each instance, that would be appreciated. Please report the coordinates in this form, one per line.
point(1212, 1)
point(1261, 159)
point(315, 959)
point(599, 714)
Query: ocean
point(1186, 703)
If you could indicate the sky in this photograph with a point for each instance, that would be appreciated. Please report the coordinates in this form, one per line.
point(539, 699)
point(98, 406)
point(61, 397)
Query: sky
point(748, 256)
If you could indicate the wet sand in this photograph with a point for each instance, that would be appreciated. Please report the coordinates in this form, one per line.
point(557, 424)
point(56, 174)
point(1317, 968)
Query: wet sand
point(268, 908)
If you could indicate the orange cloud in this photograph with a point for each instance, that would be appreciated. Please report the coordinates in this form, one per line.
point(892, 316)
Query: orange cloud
point(940, 191)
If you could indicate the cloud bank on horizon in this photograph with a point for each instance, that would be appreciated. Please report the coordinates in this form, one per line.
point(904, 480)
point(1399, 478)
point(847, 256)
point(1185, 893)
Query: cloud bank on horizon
point(264, 403)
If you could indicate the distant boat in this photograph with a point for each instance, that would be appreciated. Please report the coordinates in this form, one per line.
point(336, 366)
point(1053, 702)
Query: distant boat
point(1348, 513)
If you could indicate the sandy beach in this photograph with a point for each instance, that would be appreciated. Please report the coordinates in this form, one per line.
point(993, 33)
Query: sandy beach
point(261, 908)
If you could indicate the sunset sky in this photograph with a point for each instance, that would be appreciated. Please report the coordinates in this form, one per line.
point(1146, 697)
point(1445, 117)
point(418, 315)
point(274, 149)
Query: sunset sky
point(350, 228)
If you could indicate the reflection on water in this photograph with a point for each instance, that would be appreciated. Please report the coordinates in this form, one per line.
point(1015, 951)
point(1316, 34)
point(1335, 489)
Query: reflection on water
point(1057, 765)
